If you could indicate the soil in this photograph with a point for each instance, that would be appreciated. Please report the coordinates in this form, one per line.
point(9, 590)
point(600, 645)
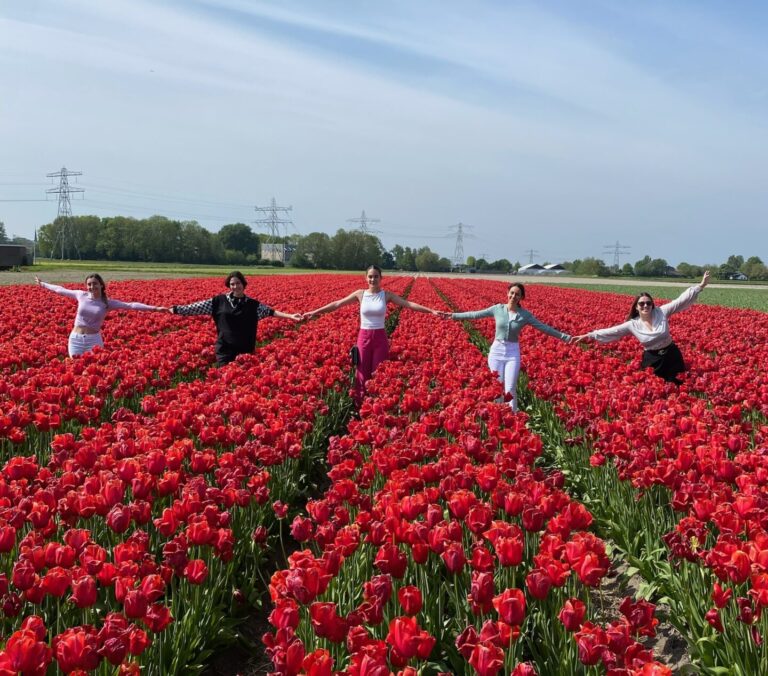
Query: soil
point(668, 646)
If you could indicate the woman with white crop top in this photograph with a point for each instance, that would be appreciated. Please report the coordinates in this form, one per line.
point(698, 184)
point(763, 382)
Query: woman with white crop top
point(92, 308)
point(372, 342)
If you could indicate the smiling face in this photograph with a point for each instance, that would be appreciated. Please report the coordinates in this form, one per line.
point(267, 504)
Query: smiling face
point(373, 277)
point(95, 286)
point(514, 296)
point(236, 287)
point(644, 306)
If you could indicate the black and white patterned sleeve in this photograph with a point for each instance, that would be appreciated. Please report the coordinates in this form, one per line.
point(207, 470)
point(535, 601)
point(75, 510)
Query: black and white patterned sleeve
point(264, 311)
point(201, 307)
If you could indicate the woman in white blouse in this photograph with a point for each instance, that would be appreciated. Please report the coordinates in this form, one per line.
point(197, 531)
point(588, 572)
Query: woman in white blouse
point(650, 325)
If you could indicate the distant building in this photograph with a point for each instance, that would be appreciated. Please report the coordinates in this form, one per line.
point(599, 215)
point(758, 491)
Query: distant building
point(738, 276)
point(531, 269)
point(554, 269)
point(669, 271)
point(273, 252)
point(14, 255)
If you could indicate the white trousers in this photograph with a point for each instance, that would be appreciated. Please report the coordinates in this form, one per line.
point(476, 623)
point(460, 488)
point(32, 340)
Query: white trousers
point(504, 358)
point(80, 343)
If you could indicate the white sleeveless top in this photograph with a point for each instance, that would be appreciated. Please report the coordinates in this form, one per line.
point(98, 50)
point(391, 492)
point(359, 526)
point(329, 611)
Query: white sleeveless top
point(373, 310)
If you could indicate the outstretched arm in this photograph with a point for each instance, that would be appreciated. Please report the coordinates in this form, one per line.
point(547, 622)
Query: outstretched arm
point(687, 298)
point(333, 306)
point(398, 300)
point(201, 307)
point(60, 290)
point(282, 315)
point(609, 334)
point(115, 304)
point(549, 330)
point(474, 314)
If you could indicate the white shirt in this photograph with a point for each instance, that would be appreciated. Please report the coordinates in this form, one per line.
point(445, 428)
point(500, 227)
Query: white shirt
point(657, 336)
point(373, 310)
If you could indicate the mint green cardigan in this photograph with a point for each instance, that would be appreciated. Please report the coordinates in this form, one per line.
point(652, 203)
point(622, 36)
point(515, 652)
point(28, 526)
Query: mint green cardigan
point(509, 329)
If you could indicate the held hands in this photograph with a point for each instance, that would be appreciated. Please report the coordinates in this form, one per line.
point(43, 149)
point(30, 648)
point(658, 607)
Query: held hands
point(443, 314)
point(297, 317)
point(308, 315)
point(579, 339)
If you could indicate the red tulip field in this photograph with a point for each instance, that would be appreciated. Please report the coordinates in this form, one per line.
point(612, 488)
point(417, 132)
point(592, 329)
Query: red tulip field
point(149, 500)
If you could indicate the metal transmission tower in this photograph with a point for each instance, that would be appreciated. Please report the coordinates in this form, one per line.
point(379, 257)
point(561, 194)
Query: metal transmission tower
point(617, 250)
point(531, 253)
point(363, 222)
point(458, 252)
point(272, 221)
point(65, 232)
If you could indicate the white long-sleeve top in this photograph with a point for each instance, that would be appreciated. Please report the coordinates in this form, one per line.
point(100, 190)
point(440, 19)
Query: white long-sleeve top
point(658, 336)
point(90, 311)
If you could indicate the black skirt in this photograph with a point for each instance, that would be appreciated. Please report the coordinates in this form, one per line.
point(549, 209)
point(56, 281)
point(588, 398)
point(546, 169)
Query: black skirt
point(666, 363)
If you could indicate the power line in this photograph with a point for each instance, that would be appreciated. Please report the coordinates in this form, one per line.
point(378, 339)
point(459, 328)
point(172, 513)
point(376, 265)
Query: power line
point(617, 250)
point(273, 220)
point(65, 231)
point(531, 253)
point(458, 252)
point(363, 222)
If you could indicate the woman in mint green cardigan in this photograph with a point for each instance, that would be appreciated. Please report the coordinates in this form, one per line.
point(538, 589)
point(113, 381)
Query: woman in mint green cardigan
point(504, 355)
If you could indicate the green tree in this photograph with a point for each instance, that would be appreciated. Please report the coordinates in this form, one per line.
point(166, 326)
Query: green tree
point(647, 267)
point(427, 260)
point(689, 270)
point(355, 250)
point(754, 268)
point(471, 261)
point(735, 262)
point(3, 236)
point(593, 267)
point(627, 270)
point(240, 237)
point(405, 258)
point(502, 265)
point(313, 251)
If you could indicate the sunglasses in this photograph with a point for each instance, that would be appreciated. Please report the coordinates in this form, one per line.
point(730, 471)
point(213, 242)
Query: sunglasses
point(645, 303)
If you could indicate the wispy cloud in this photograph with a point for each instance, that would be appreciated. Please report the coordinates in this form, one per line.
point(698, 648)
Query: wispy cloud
point(571, 119)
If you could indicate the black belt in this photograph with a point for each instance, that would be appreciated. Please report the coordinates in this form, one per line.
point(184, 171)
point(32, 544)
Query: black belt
point(661, 351)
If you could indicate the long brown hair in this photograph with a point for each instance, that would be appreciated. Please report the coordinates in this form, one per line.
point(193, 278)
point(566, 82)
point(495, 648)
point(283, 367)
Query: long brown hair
point(634, 313)
point(100, 280)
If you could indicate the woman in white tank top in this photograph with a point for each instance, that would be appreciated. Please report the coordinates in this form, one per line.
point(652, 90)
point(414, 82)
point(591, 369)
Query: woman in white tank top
point(372, 342)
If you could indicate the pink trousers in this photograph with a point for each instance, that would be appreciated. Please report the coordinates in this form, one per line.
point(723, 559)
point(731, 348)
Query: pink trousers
point(374, 349)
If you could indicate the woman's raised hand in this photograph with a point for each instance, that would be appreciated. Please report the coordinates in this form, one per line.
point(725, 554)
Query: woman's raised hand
point(38, 281)
point(704, 279)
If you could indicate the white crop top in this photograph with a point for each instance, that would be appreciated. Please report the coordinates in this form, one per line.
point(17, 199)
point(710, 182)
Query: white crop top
point(373, 310)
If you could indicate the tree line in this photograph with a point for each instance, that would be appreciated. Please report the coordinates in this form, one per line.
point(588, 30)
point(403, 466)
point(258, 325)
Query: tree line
point(160, 239)
point(733, 268)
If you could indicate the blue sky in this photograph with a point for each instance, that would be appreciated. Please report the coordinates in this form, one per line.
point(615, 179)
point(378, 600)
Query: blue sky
point(559, 127)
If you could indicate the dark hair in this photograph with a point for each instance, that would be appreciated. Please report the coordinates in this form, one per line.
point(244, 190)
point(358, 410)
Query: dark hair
point(238, 275)
point(519, 286)
point(633, 311)
point(374, 267)
point(100, 280)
